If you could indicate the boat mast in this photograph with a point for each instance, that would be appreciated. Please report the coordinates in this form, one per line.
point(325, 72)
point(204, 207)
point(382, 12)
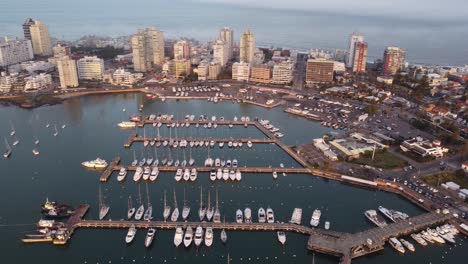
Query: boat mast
point(216, 198)
point(129, 202)
point(209, 206)
point(165, 199)
point(147, 195)
point(201, 196)
point(175, 200)
point(139, 194)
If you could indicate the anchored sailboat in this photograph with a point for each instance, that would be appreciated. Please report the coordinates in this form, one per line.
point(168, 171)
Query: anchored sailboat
point(202, 210)
point(217, 213)
point(167, 208)
point(175, 213)
point(209, 210)
point(131, 209)
point(149, 210)
point(141, 210)
point(186, 209)
point(103, 208)
point(7, 152)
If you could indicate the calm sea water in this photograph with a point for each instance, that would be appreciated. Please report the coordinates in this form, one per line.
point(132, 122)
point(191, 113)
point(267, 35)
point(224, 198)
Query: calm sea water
point(426, 40)
point(91, 131)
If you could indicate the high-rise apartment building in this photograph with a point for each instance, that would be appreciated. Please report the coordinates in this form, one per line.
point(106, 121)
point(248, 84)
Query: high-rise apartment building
point(67, 72)
point(247, 47)
point(27, 33)
point(14, 51)
point(182, 50)
point(227, 35)
point(220, 52)
point(360, 57)
point(319, 71)
point(355, 37)
point(40, 39)
point(90, 68)
point(147, 49)
point(393, 60)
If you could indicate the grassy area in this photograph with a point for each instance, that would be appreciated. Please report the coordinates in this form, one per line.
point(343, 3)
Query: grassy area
point(382, 159)
point(457, 177)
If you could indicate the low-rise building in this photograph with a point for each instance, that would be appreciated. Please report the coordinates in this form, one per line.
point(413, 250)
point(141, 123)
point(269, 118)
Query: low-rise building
point(260, 73)
point(356, 144)
point(11, 82)
point(123, 77)
point(214, 69)
point(241, 71)
point(385, 79)
point(282, 73)
point(203, 71)
point(424, 147)
point(40, 81)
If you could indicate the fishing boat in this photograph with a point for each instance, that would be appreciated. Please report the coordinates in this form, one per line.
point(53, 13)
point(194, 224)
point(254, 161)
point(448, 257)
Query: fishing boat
point(198, 236)
point(209, 210)
point(103, 208)
point(7, 152)
point(239, 216)
point(175, 213)
point(131, 210)
point(149, 210)
point(396, 245)
point(141, 210)
point(149, 237)
point(178, 236)
point(270, 215)
point(122, 174)
point(185, 209)
point(209, 236)
point(130, 234)
point(281, 237)
point(261, 215)
point(202, 209)
point(188, 237)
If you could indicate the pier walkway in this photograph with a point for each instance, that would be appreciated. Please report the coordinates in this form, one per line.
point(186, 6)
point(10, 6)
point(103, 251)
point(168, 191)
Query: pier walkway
point(131, 140)
point(110, 168)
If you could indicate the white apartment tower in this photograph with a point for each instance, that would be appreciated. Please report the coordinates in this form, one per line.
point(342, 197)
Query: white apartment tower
point(220, 52)
point(14, 51)
point(90, 68)
point(148, 49)
point(67, 72)
point(283, 72)
point(182, 50)
point(247, 47)
point(40, 39)
point(227, 35)
point(355, 38)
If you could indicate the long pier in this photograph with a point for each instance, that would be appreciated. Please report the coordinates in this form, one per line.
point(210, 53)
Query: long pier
point(131, 140)
point(109, 170)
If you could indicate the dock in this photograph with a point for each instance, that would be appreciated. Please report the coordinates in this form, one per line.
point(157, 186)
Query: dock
point(131, 140)
point(72, 223)
point(110, 168)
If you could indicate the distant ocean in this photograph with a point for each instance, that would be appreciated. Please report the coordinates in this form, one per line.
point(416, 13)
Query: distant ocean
point(426, 41)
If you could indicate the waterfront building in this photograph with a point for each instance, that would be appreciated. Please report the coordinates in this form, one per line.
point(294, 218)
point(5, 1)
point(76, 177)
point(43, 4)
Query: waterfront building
point(260, 73)
point(60, 51)
point(14, 51)
point(241, 71)
point(40, 39)
point(11, 82)
point(355, 38)
point(283, 72)
point(67, 72)
point(393, 60)
point(26, 25)
point(214, 69)
point(182, 67)
point(40, 81)
point(424, 147)
point(203, 71)
point(319, 71)
point(220, 52)
point(90, 68)
point(360, 57)
point(182, 50)
point(227, 36)
point(247, 47)
point(147, 49)
point(123, 77)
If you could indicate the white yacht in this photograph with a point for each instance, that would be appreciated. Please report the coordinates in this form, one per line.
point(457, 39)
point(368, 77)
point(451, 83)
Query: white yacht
point(396, 245)
point(146, 173)
point(130, 234)
point(223, 236)
point(407, 245)
point(95, 164)
point(131, 210)
point(188, 237)
point(375, 218)
point(248, 215)
point(270, 215)
point(232, 175)
point(419, 239)
point(122, 174)
point(239, 216)
point(225, 174)
point(234, 163)
point(149, 237)
point(154, 174)
point(198, 236)
point(327, 225)
point(213, 175)
point(315, 220)
point(296, 216)
point(178, 175)
point(186, 175)
point(393, 215)
point(193, 174)
point(178, 236)
point(281, 237)
point(238, 175)
point(249, 144)
point(261, 215)
point(209, 236)
point(138, 174)
point(219, 174)
point(275, 175)
point(139, 212)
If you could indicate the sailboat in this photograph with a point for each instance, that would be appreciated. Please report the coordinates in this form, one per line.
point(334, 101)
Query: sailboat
point(191, 161)
point(224, 234)
point(202, 210)
point(7, 152)
point(131, 209)
point(149, 210)
point(35, 151)
point(135, 161)
point(186, 209)
point(217, 213)
point(167, 208)
point(103, 208)
point(13, 132)
point(16, 141)
point(209, 210)
point(141, 210)
point(145, 141)
point(56, 132)
point(36, 142)
point(175, 213)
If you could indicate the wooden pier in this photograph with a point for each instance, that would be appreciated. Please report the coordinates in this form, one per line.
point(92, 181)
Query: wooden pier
point(72, 223)
point(131, 140)
point(110, 168)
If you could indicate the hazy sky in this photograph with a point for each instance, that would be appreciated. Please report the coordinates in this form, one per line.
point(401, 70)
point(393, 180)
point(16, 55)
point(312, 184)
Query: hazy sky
point(428, 9)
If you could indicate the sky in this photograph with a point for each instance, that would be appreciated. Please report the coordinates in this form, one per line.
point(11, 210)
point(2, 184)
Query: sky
point(428, 9)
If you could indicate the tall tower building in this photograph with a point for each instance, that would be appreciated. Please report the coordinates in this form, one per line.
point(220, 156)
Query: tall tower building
point(247, 47)
point(360, 57)
point(355, 37)
point(227, 35)
point(40, 39)
point(393, 60)
point(182, 50)
point(67, 72)
point(147, 48)
point(13, 51)
point(27, 33)
point(220, 52)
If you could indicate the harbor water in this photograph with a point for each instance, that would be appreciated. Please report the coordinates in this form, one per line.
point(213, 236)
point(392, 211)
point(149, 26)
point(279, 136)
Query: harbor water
point(91, 131)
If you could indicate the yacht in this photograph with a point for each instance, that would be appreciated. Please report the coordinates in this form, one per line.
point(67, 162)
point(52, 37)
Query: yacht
point(167, 208)
point(219, 174)
point(238, 175)
point(95, 164)
point(435, 236)
point(427, 237)
point(230, 144)
point(221, 144)
point(232, 175)
point(209, 236)
point(188, 237)
point(375, 218)
point(296, 216)
point(186, 174)
point(249, 144)
point(261, 215)
point(178, 236)
point(138, 174)
point(213, 175)
point(223, 236)
point(419, 239)
point(193, 174)
point(126, 124)
point(234, 163)
point(327, 225)
point(178, 175)
point(225, 174)
point(212, 143)
point(130, 234)
point(407, 245)
point(131, 210)
point(146, 173)
point(445, 234)
point(217, 162)
point(239, 216)
point(396, 245)
point(275, 175)
point(35, 152)
point(154, 174)
point(315, 220)
point(281, 237)
point(393, 215)
point(149, 237)
point(198, 236)
point(209, 162)
point(234, 144)
point(248, 215)
point(122, 174)
point(139, 212)
point(270, 215)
